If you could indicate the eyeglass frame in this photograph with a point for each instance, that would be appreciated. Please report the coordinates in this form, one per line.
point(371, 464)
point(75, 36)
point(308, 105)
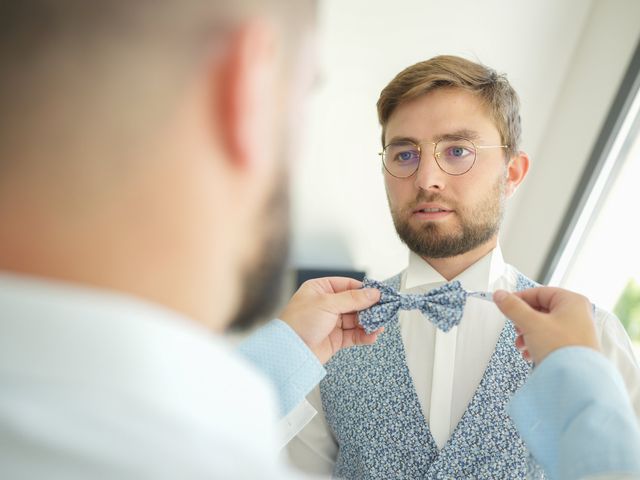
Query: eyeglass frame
point(436, 154)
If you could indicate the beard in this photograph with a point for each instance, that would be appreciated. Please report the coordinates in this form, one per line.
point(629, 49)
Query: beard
point(262, 280)
point(477, 225)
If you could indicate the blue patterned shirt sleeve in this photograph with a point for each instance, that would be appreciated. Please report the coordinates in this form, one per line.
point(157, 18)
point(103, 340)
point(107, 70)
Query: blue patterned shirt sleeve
point(575, 416)
point(280, 354)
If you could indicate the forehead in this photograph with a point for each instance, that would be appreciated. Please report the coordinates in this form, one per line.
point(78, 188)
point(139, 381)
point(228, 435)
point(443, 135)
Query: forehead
point(440, 112)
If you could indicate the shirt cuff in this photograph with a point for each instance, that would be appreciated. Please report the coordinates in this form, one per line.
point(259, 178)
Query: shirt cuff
point(575, 416)
point(293, 423)
point(280, 354)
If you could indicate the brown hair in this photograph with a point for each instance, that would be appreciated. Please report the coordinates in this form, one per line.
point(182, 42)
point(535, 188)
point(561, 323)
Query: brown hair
point(456, 72)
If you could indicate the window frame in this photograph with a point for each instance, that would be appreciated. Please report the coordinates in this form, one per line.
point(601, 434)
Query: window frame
point(599, 173)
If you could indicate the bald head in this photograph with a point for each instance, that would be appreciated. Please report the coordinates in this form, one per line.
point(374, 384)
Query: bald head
point(143, 144)
point(108, 70)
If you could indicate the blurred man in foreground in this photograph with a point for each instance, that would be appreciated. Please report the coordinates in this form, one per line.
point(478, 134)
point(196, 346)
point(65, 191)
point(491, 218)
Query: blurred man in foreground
point(144, 149)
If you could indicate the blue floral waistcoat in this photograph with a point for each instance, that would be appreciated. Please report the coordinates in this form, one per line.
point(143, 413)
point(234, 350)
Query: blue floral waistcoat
point(373, 410)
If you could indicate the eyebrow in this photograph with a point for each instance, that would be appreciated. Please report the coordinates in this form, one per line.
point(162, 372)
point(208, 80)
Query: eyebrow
point(463, 132)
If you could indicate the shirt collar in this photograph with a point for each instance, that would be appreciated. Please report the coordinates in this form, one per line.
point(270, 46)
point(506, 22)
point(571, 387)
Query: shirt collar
point(76, 335)
point(481, 276)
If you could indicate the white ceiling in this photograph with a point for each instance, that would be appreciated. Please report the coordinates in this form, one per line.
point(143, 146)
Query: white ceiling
point(340, 214)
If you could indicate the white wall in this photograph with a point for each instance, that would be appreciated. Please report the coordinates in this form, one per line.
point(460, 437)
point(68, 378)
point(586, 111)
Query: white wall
point(340, 216)
point(597, 66)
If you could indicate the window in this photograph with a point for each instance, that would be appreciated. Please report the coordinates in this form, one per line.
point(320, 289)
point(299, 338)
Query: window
point(597, 252)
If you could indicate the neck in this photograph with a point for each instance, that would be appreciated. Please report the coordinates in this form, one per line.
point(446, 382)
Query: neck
point(120, 245)
point(451, 267)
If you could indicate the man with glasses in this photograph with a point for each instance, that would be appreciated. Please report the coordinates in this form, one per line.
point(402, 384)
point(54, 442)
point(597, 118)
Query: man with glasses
point(422, 402)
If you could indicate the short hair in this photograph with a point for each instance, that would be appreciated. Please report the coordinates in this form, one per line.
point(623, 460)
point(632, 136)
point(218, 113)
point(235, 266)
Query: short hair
point(113, 63)
point(448, 71)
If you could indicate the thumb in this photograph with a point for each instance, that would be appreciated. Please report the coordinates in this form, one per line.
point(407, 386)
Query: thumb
point(352, 300)
point(516, 309)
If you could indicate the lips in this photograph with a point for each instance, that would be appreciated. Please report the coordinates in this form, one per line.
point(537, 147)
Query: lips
point(428, 212)
point(431, 208)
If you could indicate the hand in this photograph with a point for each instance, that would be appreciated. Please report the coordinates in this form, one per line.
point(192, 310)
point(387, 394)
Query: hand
point(547, 319)
point(323, 312)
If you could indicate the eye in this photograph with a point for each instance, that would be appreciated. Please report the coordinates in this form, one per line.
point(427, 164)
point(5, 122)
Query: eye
point(407, 156)
point(458, 152)
point(402, 154)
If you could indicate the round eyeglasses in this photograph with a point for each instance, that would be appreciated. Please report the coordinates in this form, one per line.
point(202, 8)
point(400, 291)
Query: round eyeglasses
point(454, 155)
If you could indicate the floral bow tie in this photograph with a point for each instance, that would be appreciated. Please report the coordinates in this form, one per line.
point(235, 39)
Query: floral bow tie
point(443, 305)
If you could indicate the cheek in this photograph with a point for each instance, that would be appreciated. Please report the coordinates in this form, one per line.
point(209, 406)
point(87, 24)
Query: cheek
point(398, 190)
point(465, 193)
point(476, 190)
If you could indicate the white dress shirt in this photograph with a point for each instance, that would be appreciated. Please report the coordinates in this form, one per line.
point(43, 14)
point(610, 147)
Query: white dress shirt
point(97, 385)
point(446, 368)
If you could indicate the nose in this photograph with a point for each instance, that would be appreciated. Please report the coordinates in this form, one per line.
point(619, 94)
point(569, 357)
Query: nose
point(429, 175)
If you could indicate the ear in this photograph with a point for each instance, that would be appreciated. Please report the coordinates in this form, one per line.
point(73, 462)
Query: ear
point(246, 95)
point(516, 171)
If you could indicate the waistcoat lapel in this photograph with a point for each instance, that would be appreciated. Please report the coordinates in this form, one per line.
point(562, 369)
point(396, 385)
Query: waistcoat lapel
point(485, 443)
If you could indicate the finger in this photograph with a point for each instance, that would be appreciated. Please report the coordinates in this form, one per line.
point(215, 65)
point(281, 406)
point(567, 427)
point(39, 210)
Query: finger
point(541, 298)
point(516, 309)
point(351, 300)
point(522, 348)
point(362, 338)
point(358, 336)
point(337, 284)
point(350, 320)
